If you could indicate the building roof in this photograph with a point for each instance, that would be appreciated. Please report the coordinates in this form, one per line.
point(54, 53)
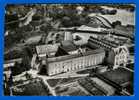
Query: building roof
point(46, 49)
point(102, 20)
point(103, 43)
point(88, 28)
point(62, 58)
point(68, 46)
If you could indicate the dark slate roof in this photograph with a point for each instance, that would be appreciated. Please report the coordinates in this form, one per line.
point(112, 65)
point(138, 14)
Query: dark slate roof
point(68, 46)
point(103, 20)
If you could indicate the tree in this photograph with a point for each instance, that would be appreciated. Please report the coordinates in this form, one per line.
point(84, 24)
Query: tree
point(116, 23)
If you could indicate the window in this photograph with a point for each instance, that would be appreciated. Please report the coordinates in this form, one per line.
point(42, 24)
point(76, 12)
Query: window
point(117, 58)
point(56, 71)
point(51, 73)
point(123, 56)
point(94, 60)
point(55, 65)
point(117, 63)
point(74, 67)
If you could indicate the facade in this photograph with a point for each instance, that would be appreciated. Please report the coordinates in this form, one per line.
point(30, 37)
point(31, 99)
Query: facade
point(117, 55)
point(121, 56)
point(74, 62)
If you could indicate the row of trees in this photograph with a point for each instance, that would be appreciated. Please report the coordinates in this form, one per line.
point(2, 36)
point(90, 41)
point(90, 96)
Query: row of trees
point(48, 16)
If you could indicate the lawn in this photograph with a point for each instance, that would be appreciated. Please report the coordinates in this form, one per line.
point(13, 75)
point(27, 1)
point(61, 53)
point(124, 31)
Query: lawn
point(32, 88)
point(119, 75)
point(55, 82)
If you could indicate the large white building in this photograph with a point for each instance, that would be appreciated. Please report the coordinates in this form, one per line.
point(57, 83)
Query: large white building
point(68, 63)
